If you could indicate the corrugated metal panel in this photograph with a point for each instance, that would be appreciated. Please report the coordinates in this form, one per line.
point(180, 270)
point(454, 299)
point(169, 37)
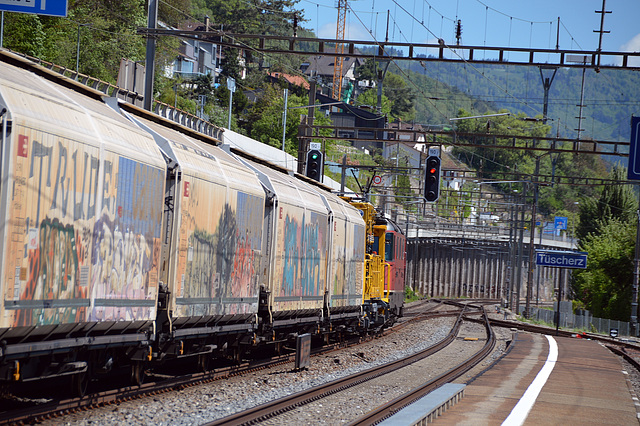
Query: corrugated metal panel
point(346, 280)
point(220, 209)
point(81, 227)
point(298, 255)
point(266, 152)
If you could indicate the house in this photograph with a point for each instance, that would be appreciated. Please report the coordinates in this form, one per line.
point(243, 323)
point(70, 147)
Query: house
point(321, 68)
point(198, 57)
point(357, 122)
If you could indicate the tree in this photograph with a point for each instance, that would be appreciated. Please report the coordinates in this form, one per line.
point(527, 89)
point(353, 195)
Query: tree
point(370, 97)
point(367, 71)
point(24, 33)
point(617, 201)
point(400, 96)
point(607, 231)
point(605, 286)
point(265, 119)
point(259, 16)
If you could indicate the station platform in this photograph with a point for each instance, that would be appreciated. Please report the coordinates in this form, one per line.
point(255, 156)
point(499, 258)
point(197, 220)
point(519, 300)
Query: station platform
point(585, 385)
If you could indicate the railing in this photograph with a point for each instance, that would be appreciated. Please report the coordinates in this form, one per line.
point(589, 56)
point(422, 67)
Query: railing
point(167, 111)
point(585, 322)
point(425, 229)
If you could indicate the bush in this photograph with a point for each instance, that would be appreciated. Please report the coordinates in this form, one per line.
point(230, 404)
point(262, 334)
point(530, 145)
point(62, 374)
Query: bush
point(410, 295)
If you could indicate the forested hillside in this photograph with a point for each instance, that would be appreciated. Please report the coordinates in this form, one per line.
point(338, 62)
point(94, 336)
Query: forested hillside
point(611, 97)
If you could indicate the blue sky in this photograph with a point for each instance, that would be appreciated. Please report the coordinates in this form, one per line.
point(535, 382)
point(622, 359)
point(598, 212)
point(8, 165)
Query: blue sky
point(508, 23)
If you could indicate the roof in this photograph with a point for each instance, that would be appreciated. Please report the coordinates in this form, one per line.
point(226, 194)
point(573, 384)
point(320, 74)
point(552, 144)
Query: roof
point(291, 79)
point(323, 65)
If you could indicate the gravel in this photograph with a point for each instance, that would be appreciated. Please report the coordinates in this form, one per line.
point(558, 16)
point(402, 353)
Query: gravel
point(204, 403)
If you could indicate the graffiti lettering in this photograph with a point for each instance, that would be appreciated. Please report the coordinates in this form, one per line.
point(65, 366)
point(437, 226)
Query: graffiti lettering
point(59, 182)
point(53, 275)
point(40, 151)
point(139, 189)
point(79, 206)
point(302, 262)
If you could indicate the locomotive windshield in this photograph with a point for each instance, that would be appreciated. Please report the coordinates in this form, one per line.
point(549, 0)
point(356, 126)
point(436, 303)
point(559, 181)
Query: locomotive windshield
point(388, 247)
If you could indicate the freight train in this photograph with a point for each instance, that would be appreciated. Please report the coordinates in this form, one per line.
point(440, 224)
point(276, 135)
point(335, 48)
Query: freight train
point(128, 241)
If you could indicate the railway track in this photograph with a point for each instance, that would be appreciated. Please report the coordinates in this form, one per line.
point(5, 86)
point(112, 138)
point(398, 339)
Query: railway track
point(267, 412)
point(42, 409)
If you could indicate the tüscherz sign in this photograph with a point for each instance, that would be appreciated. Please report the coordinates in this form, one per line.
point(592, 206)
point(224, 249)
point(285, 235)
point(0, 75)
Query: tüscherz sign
point(562, 259)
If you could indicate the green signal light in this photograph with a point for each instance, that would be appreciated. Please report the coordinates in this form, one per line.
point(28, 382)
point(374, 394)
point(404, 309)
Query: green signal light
point(314, 156)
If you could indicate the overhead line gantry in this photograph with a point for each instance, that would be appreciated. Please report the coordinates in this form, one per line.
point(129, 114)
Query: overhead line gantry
point(425, 52)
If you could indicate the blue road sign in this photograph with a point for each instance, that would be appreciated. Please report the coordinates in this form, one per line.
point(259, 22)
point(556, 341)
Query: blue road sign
point(36, 7)
point(560, 222)
point(633, 169)
point(562, 259)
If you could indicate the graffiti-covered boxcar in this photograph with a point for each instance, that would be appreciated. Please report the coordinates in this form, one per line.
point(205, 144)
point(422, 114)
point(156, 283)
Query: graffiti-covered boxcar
point(128, 240)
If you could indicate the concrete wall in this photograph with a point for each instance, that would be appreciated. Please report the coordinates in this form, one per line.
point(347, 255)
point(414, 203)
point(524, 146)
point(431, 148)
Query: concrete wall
point(459, 267)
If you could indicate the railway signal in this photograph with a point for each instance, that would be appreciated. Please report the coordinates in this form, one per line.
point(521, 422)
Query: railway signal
point(314, 165)
point(432, 179)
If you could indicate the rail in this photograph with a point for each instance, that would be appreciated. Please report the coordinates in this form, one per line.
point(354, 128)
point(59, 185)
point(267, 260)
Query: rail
point(396, 405)
point(271, 409)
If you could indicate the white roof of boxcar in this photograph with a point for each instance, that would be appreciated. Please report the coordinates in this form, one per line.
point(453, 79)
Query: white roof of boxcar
point(37, 103)
point(292, 190)
point(269, 153)
point(203, 160)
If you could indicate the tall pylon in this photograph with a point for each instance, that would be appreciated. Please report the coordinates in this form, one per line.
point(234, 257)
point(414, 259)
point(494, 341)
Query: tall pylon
point(337, 68)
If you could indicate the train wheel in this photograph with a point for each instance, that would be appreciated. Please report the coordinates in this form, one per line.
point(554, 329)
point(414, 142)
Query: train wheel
point(137, 373)
point(80, 384)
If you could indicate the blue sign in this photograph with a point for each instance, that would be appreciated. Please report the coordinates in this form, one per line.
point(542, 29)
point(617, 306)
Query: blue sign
point(562, 259)
point(36, 7)
point(560, 222)
point(633, 169)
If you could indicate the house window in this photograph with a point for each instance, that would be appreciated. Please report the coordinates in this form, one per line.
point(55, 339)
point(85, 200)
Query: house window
point(186, 66)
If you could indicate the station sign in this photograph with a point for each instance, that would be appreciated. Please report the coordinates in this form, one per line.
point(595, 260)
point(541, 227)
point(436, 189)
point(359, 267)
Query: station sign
point(560, 223)
point(36, 7)
point(562, 259)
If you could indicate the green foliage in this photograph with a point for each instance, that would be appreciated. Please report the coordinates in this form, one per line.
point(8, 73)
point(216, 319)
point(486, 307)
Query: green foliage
point(611, 93)
point(106, 31)
point(520, 165)
point(607, 231)
point(337, 150)
point(605, 286)
point(615, 202)
point(255, 17)
point(400, 96)
point(410, 295)
point(24, 33)
point(370, 97)
point(367, 71)
point(263, 121)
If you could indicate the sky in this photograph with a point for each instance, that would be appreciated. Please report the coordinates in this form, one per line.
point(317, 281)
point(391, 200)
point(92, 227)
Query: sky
point(501, 23)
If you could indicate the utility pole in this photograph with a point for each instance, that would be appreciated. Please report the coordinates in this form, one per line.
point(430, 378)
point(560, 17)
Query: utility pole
point(149, 66)
point(601, 31)
point(546, 84)
point(532, 242)
point(636, 278)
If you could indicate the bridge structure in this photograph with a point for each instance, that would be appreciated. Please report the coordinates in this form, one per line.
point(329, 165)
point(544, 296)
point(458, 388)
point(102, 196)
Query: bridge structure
point(478, 261)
